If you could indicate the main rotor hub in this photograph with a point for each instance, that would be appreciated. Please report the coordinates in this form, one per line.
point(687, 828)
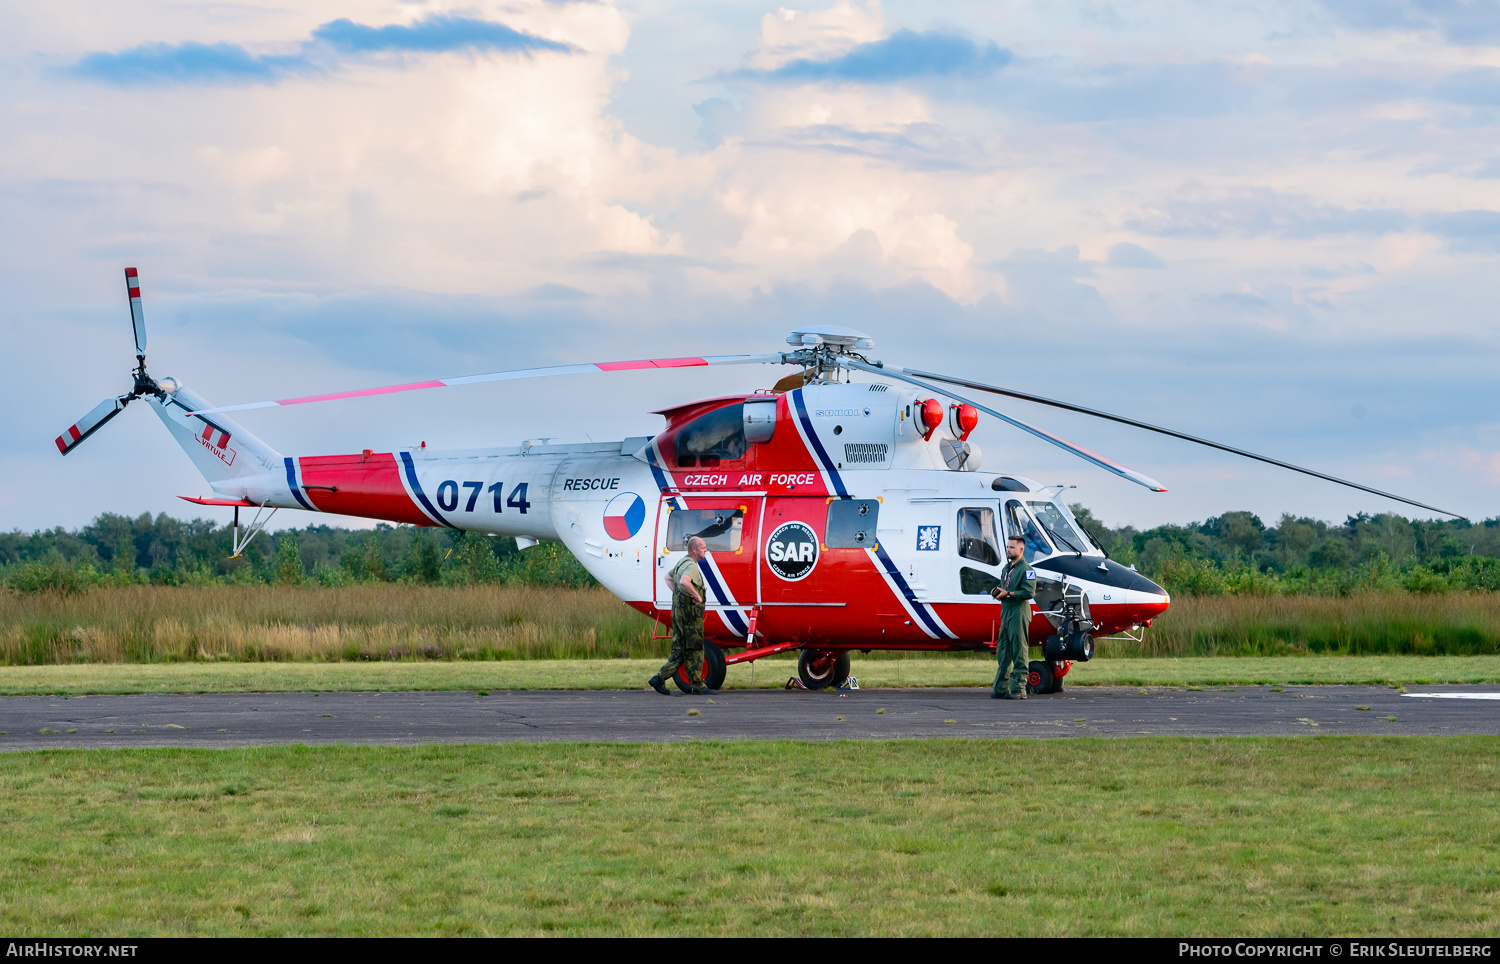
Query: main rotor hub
point(821, 346)
point(834, 337)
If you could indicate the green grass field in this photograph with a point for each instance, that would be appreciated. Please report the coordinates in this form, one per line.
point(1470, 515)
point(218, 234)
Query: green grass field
point(917, 671)
point(1264, 836)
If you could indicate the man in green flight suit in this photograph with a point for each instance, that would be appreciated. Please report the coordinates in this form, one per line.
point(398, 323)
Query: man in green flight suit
point(1017, 586)
point(686, 580)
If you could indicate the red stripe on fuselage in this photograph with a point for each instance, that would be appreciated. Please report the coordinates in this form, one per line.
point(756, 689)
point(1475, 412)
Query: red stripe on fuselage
point(366, 486)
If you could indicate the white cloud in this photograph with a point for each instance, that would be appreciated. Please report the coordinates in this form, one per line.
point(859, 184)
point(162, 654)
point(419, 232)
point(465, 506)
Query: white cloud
point(787, 35)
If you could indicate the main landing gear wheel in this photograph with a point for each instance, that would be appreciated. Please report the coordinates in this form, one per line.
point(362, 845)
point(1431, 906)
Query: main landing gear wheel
point(1057, 681)
point(1039, 677)
point(714, 669)
point(820, 668)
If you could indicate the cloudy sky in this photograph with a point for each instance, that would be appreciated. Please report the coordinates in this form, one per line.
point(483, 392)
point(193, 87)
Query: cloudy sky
point(1272, 224)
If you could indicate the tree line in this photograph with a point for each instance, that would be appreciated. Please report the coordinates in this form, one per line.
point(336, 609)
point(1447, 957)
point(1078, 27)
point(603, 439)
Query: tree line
point(1237, 553)
point(1233, 553)
point(120, 550)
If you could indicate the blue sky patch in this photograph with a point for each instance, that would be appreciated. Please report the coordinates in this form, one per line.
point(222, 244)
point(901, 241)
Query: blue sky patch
point(433, 34)
point(185, 63)
point(226, 63)
point(904, 55)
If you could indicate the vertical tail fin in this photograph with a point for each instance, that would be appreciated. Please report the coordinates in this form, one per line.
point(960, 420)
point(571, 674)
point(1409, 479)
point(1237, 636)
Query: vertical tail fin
point(218, 446)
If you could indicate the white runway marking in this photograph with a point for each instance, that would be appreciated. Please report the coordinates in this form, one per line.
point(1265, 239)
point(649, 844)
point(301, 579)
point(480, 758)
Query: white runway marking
point(1457, 696)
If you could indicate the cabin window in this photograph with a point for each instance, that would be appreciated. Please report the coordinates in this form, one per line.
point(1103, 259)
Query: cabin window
point(974, 582)
point(851, 523)
point(1019, 523)
point(712, 438)
point(976, 536)
point(1052, 519)
point(720, 528)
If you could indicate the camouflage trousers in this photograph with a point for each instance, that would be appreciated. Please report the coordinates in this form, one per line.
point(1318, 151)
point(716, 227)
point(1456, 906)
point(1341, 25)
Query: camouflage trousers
point(1011, 655)
point(687, 642)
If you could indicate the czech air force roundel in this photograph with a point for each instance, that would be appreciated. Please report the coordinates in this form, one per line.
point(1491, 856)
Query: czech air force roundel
point(792, 551)
point(624, 515)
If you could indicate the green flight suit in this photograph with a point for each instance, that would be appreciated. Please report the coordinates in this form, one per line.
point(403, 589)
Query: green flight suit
point(687, 624)
point(1015, 619)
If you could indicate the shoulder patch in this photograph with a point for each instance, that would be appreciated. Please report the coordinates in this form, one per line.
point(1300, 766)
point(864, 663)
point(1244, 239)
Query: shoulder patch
point(1030, 573)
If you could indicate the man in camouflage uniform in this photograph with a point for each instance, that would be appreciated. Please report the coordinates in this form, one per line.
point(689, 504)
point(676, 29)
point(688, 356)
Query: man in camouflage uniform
point(1017, 586)
point(686, 580)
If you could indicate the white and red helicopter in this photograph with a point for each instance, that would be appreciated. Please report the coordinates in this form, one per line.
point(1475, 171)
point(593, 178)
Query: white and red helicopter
point(839, 515)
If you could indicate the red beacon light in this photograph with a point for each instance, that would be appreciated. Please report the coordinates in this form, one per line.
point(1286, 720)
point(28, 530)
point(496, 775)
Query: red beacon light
point(932, 416)
point(964, 418)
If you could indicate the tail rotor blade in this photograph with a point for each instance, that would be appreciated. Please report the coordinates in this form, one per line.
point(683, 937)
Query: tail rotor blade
point(775, 358)
point(137, 318)
point(996, 390)
point(90, 423)
point(1107, 465)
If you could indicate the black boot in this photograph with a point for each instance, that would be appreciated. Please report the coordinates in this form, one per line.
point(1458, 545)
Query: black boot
point(659, 686)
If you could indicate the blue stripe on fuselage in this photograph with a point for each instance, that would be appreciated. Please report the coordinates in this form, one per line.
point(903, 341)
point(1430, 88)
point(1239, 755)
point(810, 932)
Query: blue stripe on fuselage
point(911, 597)
point(291, 481)
point(812, 439)
point(712, 578)
point(416, 488)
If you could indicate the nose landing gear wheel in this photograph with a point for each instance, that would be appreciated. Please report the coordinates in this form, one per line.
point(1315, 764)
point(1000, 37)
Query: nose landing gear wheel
point(713, 671)
point(1038, 677)
point(821, 668)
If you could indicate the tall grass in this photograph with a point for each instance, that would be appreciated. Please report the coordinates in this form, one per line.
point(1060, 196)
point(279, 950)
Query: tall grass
point(146, 624)
point(1457, 624)
point(366, 622)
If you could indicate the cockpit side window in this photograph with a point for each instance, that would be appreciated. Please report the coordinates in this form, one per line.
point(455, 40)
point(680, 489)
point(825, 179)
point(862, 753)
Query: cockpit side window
point(1057, 526)
point(712, 438)
point(977, 539)
point(1018, 523)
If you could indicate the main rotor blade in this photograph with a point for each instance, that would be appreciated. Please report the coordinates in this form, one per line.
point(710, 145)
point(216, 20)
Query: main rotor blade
point(980, 386)
point(137, 317)
point(775, 358)
point(91, 423)
point(1062, 443)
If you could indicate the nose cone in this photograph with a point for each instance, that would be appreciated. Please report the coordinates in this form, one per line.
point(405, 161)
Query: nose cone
point(1148, 600)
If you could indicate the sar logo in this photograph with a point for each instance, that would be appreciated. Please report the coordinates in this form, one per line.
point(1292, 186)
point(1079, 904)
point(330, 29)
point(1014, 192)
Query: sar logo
point(623, 516)
point(792, 551)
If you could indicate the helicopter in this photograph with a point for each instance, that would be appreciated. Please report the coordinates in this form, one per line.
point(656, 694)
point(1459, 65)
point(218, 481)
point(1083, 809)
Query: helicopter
point(840, 515)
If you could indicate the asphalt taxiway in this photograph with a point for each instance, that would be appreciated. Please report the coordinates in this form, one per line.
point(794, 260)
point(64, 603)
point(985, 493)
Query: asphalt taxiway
point(211, 720)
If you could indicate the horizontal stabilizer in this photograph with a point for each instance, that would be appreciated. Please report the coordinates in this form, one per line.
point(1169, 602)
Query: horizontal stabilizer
point(201, 501)
point(90, 423)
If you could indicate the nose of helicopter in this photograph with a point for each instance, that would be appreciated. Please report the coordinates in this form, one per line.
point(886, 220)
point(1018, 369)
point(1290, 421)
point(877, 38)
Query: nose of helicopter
point(1148, 600)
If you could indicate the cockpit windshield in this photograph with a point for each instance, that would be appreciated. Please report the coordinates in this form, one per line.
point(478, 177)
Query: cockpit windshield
point(1018, 523)
point(1057, 526)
